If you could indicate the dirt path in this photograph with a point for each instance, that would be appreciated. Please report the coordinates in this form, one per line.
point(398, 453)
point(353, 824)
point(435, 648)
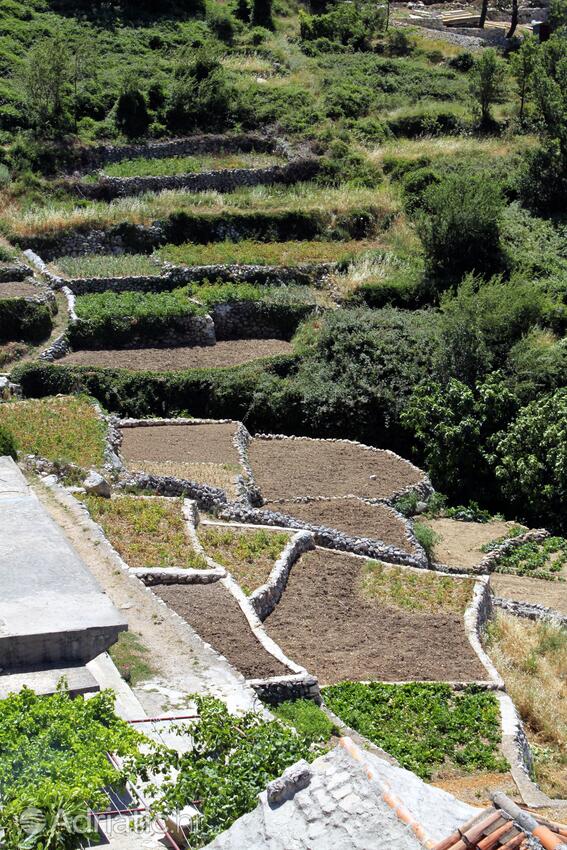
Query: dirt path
point(180, 662)
point(324, 623)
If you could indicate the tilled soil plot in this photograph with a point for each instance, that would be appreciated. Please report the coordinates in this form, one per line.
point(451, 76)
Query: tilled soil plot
point(19, 290)
point(350, 516)
point(552, 594)
point(324, 623)
point(229, 353)
point(287, 469)
point(461, 543)
point(216, 616)
point(185, 443)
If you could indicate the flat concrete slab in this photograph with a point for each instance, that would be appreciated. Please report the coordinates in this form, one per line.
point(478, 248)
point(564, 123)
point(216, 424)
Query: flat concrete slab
point(78, 679)
point(52, 611)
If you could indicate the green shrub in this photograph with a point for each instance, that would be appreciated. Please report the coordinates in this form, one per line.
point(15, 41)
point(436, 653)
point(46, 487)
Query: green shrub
point(350, 25)
point(460, 226)
point(132, 116)
point(8, 445)
point(201, 95)
point(412, 123)
point(424, 726)
point(426, 537)
point(343, 166)
point(24, 320)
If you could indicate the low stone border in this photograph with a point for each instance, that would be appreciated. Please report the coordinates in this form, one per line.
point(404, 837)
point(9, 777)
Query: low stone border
point(61, 345)
point(530, 611)
point(249, 492)
point(329, 538)
point(516, 750)
point(208, 498)
point(266, 597)
point(222, 180)
point(476, 616)
point(422, 488)
point(13, 272)
point(490, 560)
point(279, 689)
point(177, 575)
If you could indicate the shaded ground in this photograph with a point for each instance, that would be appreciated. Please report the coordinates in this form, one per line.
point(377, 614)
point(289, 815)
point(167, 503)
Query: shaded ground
point(183, 443)
point(229, 353)
point(216, 616)
point(324, 623)
point(352, 517)
point(552, 594)
point(286, 469)
point(19, 290)
point(461, 542)
point(477, 788)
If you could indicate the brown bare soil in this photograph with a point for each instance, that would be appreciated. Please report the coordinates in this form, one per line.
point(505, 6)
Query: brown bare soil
point(324, 622)
point(552, 594)
point(476, 789)
point(229, 353)
point(19, 290)
point(182, 443)
point(287, 469)
point(216, 616)
point(461, 542)
point(350, 516)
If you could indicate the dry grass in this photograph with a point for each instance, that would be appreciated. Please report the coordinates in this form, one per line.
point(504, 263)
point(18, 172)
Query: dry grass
point(449, 146)
point(251, 63)
point(146, 532)
point(532, 659)
point(142, 209)
point(214, 474)
point(64, 429)
point(249, 554)
point(421, 592)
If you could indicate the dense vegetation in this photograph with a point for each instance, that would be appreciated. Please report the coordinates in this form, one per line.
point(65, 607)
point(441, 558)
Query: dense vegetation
point(424, 726)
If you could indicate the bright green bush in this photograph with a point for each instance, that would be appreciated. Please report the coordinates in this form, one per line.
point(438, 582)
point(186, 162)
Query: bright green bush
point(424, 726)
point(305, 716)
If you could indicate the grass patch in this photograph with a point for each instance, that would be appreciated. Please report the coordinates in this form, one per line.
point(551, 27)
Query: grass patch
point(175, 165)
point(532, 660)
point(107, 265)
point(305, 716)
point(103, 306)
point(146, 532)
point(129, 654)
point(411, 591)
point(249, 252)
point(63, 429)
point(545, 560)
point(426, 727)
point(249, 555)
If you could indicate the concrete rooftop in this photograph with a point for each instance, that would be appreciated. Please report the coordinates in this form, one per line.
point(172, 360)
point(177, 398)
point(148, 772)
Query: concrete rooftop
point(52, 611)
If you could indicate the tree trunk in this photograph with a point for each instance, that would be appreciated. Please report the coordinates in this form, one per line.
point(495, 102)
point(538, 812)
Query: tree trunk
point(514, 19)
point(483, 13)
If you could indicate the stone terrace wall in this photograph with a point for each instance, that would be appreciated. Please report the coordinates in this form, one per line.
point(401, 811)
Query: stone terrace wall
point(108, 188)
point(96, 156)
point(13, 272)
point(257, 320)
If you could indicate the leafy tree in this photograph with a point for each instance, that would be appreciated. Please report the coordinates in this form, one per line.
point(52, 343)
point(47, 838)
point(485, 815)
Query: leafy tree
point(452, 424)
point(460, 225)
point(46, 82)
point(524, 62)
point(488, 79)
point(243, 12)
point(557, 15)
point(201, 96)
point(530, 460)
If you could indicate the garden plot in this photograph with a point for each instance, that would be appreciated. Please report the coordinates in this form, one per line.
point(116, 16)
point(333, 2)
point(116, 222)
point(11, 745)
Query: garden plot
point(106, 266)
point(533, 590)
point(344, 618)
point(19, 289)
point(249, 554)
point(293, 468)
point(146, 532)
point(460, 544)
point(224, 354)
point(202, 452)
point(174, 166)
point(351, 516)
point(216, 616)
point(248, 252)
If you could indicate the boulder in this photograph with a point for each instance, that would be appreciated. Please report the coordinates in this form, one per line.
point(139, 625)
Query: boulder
point(97, 485)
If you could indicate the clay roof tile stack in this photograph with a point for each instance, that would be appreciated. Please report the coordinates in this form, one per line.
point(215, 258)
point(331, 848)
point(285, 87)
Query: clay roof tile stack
point(494, 829)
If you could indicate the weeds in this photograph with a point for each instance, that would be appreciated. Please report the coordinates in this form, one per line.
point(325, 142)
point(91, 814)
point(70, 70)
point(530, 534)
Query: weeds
point(61, 429)
point(248, 252)
point(110, 265)
point(423, 592)
point(426, 537)
point(545, 560)
point(177, 165)
point(248, 554)
point(304, 715)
